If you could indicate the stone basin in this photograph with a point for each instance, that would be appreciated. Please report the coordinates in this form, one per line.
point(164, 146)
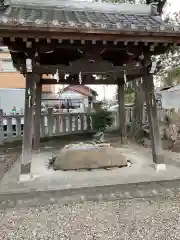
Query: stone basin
point(88, 156)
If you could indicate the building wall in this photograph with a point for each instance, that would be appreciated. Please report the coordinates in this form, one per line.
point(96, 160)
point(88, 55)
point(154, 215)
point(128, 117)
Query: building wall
point(7, 102)
point(68, 94)
point(10, 78)
point(5, 55)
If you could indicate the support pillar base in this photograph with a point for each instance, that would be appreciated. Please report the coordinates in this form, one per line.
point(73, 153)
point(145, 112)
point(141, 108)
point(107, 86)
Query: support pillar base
point(25, 177)
point(160, 167)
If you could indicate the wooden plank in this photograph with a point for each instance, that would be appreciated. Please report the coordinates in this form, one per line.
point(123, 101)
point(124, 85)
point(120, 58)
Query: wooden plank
point(28, 125)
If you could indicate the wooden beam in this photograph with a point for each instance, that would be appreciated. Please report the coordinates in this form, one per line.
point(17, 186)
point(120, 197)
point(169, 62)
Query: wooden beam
point(92, 69)
point(89, 81)
point(87, 47)
point(88, 34)
point(28, 127)
point(82, 66)
point(42, 46)
point(157, 154)
point(76, 81)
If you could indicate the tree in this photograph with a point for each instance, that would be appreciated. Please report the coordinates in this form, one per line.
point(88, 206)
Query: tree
point(129, 93)
point(169, 67)
point(171, 77)
point(169, 59)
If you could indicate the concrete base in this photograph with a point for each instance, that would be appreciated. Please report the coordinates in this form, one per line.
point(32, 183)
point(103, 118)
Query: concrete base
point(160, 167)
point(25, 177)
point(44, 179)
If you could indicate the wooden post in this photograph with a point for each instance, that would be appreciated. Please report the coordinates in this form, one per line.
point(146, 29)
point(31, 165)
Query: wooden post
point(122, 117)
point(28, 127)
point(38, 93)
point(157, 154)
point(1, 128)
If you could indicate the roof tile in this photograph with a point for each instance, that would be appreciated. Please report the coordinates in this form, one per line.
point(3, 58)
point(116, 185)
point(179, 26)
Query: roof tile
point(51, 17)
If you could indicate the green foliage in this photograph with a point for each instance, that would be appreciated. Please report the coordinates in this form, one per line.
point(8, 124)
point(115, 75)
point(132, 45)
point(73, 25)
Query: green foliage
point(101, 120)
point(129, 98)
point(171, 77)
point(129, 89)
point(170, 61)
point(129, 93)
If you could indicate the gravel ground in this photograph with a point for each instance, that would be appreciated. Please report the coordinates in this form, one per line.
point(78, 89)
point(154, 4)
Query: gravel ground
point(135, 219)
point(7, 160)
point(155, 218)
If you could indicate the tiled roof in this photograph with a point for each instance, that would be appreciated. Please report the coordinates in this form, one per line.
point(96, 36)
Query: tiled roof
point(22, 14)
point(82, 89)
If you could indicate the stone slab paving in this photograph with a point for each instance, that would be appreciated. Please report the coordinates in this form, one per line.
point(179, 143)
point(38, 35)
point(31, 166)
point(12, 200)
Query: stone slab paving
point(47, 179)
point(111, 192)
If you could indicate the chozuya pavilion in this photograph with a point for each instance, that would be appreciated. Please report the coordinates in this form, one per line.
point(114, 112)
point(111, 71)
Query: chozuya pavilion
point(84, 38)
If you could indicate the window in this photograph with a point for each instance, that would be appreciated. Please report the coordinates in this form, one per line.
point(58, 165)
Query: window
point(7, 66)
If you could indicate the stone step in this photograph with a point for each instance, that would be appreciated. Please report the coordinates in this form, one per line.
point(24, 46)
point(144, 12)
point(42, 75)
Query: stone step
point(106, 193)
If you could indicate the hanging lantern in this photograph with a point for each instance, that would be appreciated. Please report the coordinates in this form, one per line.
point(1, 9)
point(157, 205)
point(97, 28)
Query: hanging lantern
point(80, 78)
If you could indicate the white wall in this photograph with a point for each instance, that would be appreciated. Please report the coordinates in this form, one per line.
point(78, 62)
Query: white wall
point(71, 95)
point(10, 98)
point(74, 95)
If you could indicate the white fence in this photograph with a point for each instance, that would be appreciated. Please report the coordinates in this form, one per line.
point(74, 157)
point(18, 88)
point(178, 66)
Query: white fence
point(55, 124)
point(51, 125)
